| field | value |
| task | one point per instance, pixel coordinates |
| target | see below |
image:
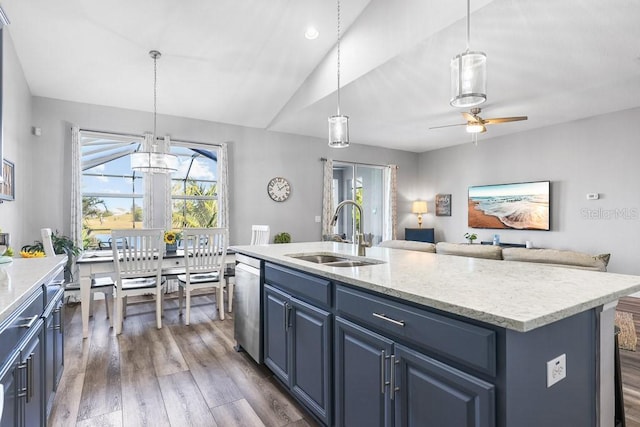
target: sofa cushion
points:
(558, 257)
(409, 245)
(465, 249)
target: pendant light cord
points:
(155, 98)
(468, 23)
(338, 68)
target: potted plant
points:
(283, 237)
(61, 245)
(470, 237)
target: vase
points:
(171, 247)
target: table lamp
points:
(419, 207)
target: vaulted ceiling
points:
(246, 62)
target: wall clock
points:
(279, 189)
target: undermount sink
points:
(336, 260)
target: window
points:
(115, 196)
(365, 185)
(112, 193)
(194, 187)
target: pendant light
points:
(154, 161)
(338, 124)
(468, 75)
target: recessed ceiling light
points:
(311, 33)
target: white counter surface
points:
(19, 278)
(517, 295)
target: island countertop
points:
(19, 278)
(516, 295)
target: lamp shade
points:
(468, 79)
(339, 131)
(419, 207)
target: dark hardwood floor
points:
(175, 376)
(630, 364)
(191, 375)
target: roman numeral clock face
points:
(279, 189)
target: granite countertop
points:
(516, 295)
(19, 278)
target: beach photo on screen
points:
(521, 206)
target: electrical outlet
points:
(556, 369)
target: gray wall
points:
(596, 155)
(255, 156)
(16, 128)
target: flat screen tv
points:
(520, 206)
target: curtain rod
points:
(142, 136)
(324, 159)
(112, 133)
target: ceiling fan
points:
(476, 124)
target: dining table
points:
(100, 263)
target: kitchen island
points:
(468, 339)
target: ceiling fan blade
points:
(447, 126)
(504, 120)
(470, 117)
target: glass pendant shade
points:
(152, 162)
(339, 131)
(468, 79)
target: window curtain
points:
(391, 202)
(223, 188)
(166, 194)
(327, 199)
(76, 187)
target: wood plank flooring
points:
(191, 375)
(175, 376)
(630, 366)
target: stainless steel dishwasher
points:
(247, 306)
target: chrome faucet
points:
(358, 240)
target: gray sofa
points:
(555, 257)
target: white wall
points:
(255, 157)
(16, 129)
(596, 155)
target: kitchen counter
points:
(19, 278)
(515, 295)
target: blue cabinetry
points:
(297, 337)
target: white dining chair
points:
(260, 234)
(205, 250)
(99, 284)
(137, 255)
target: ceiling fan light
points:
(468, 79)
(338, 131)
(476, 128)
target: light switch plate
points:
(318, 218)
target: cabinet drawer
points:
(304, 286)
(16, 326)
(468, 344)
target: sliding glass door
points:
(365, 185)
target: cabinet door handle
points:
(30, 378)
(285, 320)
(288, 316)
(22, 391)
(30, 322)
(392, 379)
(383, 371)
(388, 319)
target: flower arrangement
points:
(470, 237)
(32, 254)
(171, 237)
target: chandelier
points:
(154, 161)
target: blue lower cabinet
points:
(362, 374)
(431, 393)
(297, 348)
